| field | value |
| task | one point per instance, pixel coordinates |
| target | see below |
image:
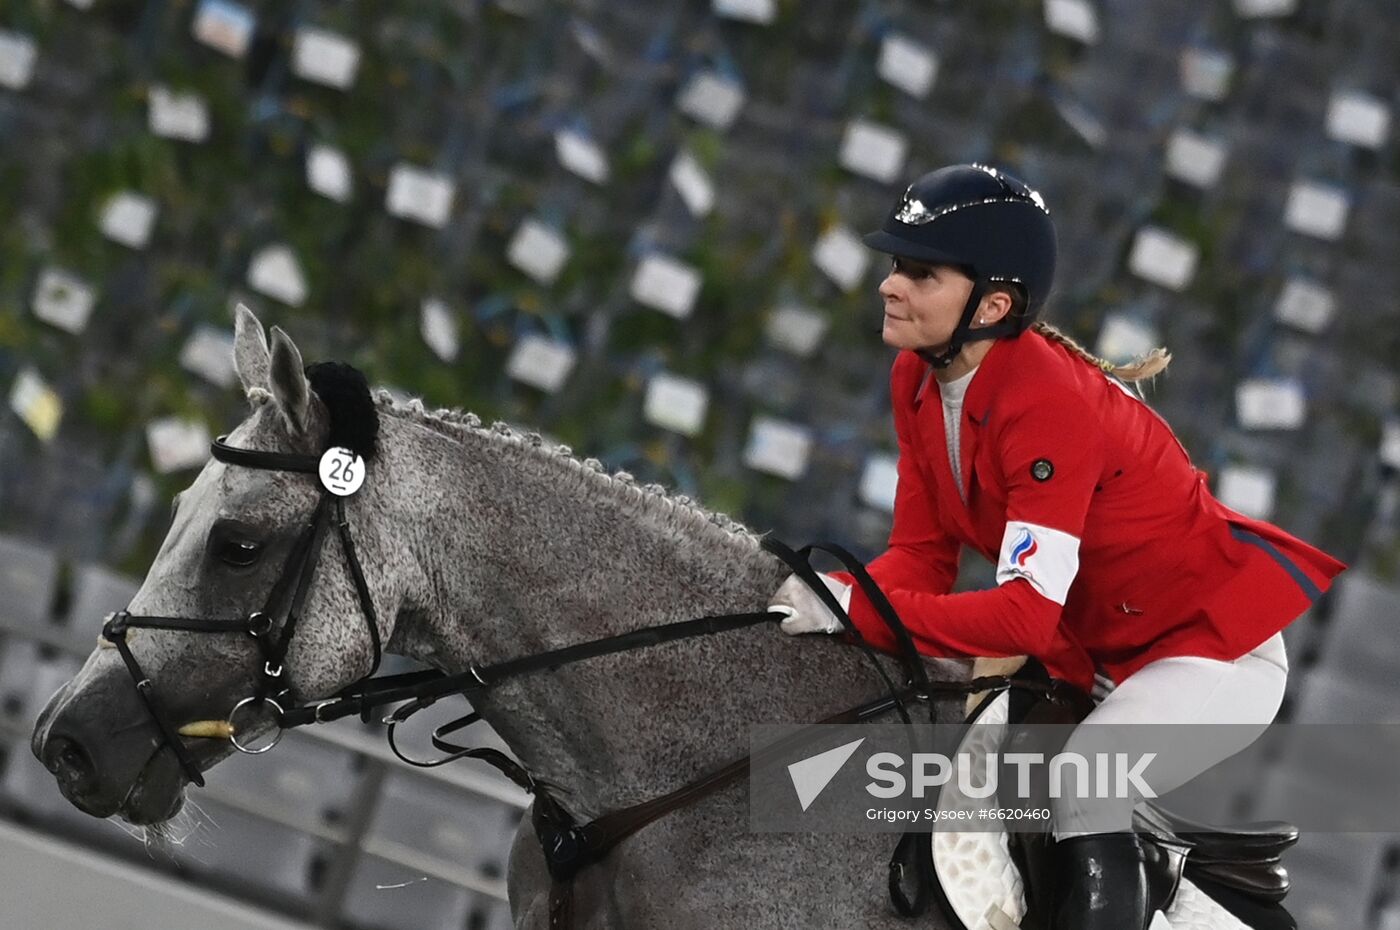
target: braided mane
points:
(457, 424)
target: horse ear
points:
(251, 359)
(290, 389)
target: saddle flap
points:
(1250, 842)
(1267, 881)
(1164, 864)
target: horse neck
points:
(526, 551)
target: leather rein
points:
(568, 846)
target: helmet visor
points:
(890, 244)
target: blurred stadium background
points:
(632, 226)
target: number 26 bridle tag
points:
(341, 471)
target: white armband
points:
(1048, 559)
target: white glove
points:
(805, 611)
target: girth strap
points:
(568, 847)
(912, 860)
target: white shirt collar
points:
(954, 391)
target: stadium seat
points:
(97, 591)
(28, 680)
(302, 777)
(1360, 641)
(386, 896)
(28, 574)
(223, 840)
(1335, 877)
(29, 788)
(1330, 695)
(464, 830)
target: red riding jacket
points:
(1110, 548)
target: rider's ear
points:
(250, 355)
(290, 389)
(996, 305)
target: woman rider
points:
(1112, 556)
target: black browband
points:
(268, 461)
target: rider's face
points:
(923, 303)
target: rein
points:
(567, 845)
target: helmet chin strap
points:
(963, 332)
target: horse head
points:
(233, 536)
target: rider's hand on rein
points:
(805, 610)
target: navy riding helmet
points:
(989, 223)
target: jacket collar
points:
(996, 367)
(1000, 359)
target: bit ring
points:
(233, 736)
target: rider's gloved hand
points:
(805, 610)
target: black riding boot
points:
(1101, 883)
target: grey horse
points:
(482, 544)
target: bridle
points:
(567, 845)
(298, 570)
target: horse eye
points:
(240, 554)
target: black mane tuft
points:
(354, 421)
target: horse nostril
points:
(70, 765)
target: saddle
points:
(1239, 866)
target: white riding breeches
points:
(1246, 692)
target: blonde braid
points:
(1145, 366)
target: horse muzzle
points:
(96, 739)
